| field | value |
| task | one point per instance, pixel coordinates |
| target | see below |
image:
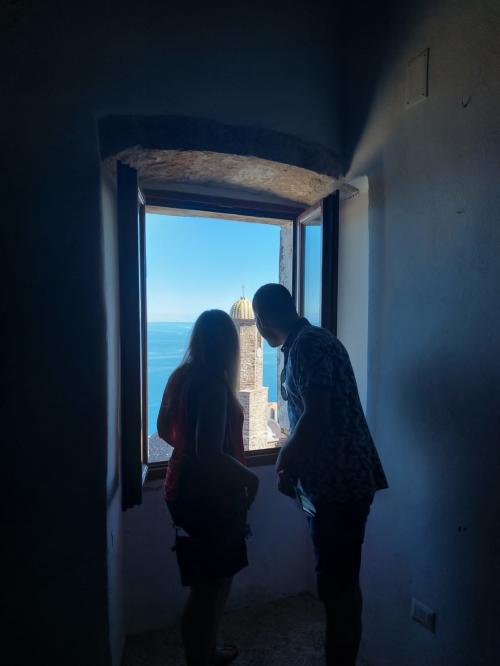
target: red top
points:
(179, 432)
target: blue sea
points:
(167, 343)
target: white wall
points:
(352, 318)
(434, 361)
(280, 556)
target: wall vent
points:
(417, 78)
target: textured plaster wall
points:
(434, 362)
(69, 65)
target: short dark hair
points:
(274, 302)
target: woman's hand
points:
(252, 488)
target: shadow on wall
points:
(371, 32)
(447, 395)
(376, 280)
(458, 392)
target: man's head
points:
(275, 313)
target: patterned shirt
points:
(343, 464)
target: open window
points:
(132, 270)
(305, 243)
(317, 262)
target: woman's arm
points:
(210, 434)
(161, 422)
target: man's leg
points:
(343, 606)
(337, 533)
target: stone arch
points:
(190, 154)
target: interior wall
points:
(69, 65)
(353, 281)
(279, 553)
(434, 366)
(114, 532)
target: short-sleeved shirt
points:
(343, 464)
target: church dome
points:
(242, 309)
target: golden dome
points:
(242, 309)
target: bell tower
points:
(252, 394)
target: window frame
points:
(131, 220)
(135, 467)
(328, 209)
(227, 206)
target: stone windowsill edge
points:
(155, 471)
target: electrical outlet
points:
(423, 615)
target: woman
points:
(208, 488)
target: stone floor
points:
(289, 631)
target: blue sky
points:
(196, 263)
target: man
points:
(329, 462)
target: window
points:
(311, 243)
(196, 263)
(131, 218)
(317, 262)
(306, 263)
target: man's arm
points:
(311, 426)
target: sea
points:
(167, 344)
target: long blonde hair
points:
(214, 351)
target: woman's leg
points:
(201, 618)
(224, 590)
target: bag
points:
(205, 507)
(201, 560)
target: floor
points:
(289, 631)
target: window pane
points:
(185, 278)
(312, 271)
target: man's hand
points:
(285, 484)
(283, 459)
(311, 427)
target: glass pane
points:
(312, 271)
(185, 278)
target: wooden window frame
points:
(132, 205)
(133, 399)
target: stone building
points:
(253, 395)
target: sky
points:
(196, 263)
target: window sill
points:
(263, 457)
(157, 470)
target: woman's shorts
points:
(208, 556)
